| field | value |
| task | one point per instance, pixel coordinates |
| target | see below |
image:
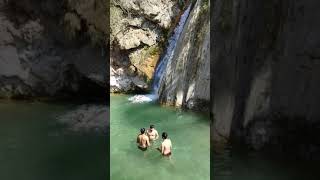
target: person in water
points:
(166, 146)
(152, 133)
(143, 140)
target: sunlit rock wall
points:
(139, 30)
(186, 80)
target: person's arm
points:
(148, 143)
(162, 148)
(157, 135)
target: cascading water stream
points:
(169, 51)
(167, 57)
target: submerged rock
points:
(87, 118)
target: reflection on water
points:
(239, 164)
(34, 146)
(189, 133)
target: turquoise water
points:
(189, 133)
(34, 146)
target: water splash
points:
(169, 52)
(143, 98)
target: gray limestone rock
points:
(186, 80)
(137, 26)
(37, 58)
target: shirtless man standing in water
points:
(166, 145)
(152, 133)
(143, 140)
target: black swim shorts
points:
(142, 149)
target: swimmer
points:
(143, 140)
(166, 146)
(152, 133)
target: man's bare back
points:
(143, 140)
(166, 147)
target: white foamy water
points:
(143, 98)
(158, 74)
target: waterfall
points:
(158, 74)
(160, 69)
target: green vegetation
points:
(148, 80)
(205, 5)
(149, 51)
(182, 3)
(153, 50)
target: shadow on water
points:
(241, 164)
(33, 145)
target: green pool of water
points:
(241, 164)
(34, 146)
(189, 133)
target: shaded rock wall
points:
(186, 80)
(45, 47)
(266, 73)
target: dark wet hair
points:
(164, 135)
(142, 130)
(151, 126)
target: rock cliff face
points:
(138, 31)
(45, 47)
(266, 74)
(186, 80)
